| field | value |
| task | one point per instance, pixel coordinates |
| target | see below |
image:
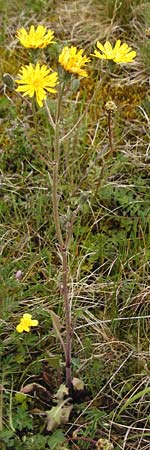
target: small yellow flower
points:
(119, 54)
(25, 323)
(72, 61)
(35, 38)
(36, 80)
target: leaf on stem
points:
(32, 387)
(58, 415)
(61, 393)
(77, 384)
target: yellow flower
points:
(25, 323)
(35, 38)
(72, 61)
(119, 54)
(36, 80)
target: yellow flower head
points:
(25, 323)
(35, 38)
(36, 80)
(72, 61)
(119, 54)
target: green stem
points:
(55, 187)
(36, 125)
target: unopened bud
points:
(18, 274)
(104, 444)
(110, 106)
(8, 81)
(147, 32)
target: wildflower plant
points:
(37, 81)
(120, 54)
(35, 38)
(73, 61)
(26, 322)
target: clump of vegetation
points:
(74, 330)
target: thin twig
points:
(82, 438)
(51, 121)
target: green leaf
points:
(58, 415)
(62, 391)
(20, 397)
(56, 439)
(133, 399)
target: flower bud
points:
(110, 106)
(104, 444)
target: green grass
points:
(110, 249)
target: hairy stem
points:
(62, 244)
(110, 134)
(36, 126)
(68, 318)
(55, 187)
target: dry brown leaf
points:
(78, 384)
(32, 387)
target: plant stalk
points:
(110, 133)
(62, 244)
(68, 319)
